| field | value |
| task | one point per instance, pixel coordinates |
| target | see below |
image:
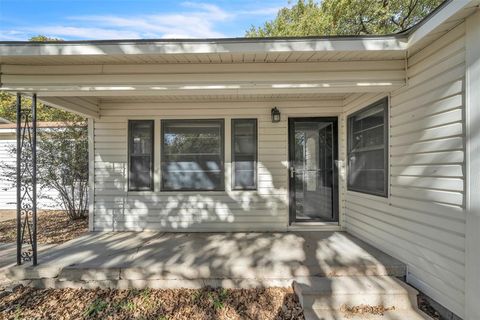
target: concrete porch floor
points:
(139, 259)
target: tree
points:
(345, 17)
(8, 110)
(40, 38)
(62, 165)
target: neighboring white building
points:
(3, 121)
(378, 136)
(8, 198)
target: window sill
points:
(315, 226)
(177, 193)
(368, 196)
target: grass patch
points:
(95, 308)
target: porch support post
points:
(26, 181)
(19, 180)
(34, 178)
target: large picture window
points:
(244, 154)
(368, 149)
(140, 150)
(192, 155)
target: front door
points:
(313, 178)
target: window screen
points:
(368, 149)
(192, 154)
(140, 147)
(244, 153)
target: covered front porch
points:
(331, 273)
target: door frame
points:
(336, 180)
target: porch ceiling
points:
(204, 81)
(221, 98)
(90, 106)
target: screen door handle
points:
(292, 172)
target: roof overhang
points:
(207, 46)
(236, 50)
(445, 17)
(74, 75)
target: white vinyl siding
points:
(423, 221)
(264, 209)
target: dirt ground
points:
(53, 227)
(175, 304)
(7, 215)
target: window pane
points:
(192, 153)
(244, 153)
(141, 155)
(367, 149)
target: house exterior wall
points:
(265, 209)
(8, 197)
(422, 222)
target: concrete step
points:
(337, 292)
(414, 314)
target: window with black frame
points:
(193, 154)
(140, 149)
(244, 154)
(368, 149)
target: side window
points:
(140, 153)
(368, 149)
(244, 154)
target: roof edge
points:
(212, 40)
(425, 19)
(394, 42)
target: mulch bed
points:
(173, 304)
(52, 227)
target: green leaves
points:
(218, 298)
(8, 110)
(345, 17)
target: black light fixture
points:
(275, 115)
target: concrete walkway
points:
(125, 259)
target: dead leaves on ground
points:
(363, 309)
(53, 227)
(172, 304)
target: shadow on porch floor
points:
(138, 259)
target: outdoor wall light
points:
(275, 115)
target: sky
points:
(132, 19)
